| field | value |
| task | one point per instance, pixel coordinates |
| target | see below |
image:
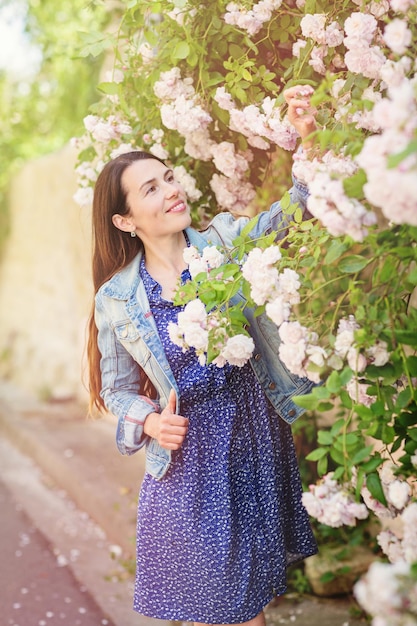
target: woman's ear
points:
(123, 222)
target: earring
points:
(132, 233)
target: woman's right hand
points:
(300, 112)
(168, 428)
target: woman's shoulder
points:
(123, 283)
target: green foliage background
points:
(40, 115)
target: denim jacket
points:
(127, 336)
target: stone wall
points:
(45, 280)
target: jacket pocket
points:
(126, 331)
(128, 335)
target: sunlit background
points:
(46, 88)
(19, 57)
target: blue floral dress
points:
(216, 534)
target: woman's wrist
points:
(150, 425)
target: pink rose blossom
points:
(224, 99)
(198, 144)
(147, 53)
(358, 392)
(297, 47)
(227, 161)
(184, 115)
(234, 195)
(170, 86)
(316, 60)
(360, 29)
(366, 61)
(312, 26)
(399, 493)
(333, 35)
(397, 36)
(188, 183)
(402, 6)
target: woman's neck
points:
(164, 261)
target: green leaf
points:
(321, 392)
(388, 270)
(285, 202)
(412, 433)
(317, 454)
(236, 52)
(181, 50)
(353, 186)
(337, 456)
(337, 426)
(337, 248)
(327, 577)
(409, 337)
(361, 455)
(394, 160)
(351, 439)
(246, 75)
(353, 263)
(412, 276)
(109, 88)
(324, 437)
(411, 364)
(298, 215)
(322, 466)
(95, 43)
(333, 383)
(373, 482)
(345, 376)
(372, 464)
(306, 402)
(403, 398)
(410, 447)
(245, 231)
(364, 412)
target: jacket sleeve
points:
(224, 228)
(121, 384)
(274, 219)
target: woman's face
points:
(157, 202)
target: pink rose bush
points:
(203, 90)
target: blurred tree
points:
(41, 113)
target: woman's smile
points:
(178, 207)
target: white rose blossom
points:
(238, 350)
(333, 504)
(389, 594)
(397, 36)
(84, 196)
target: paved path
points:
(66, 474)
(37, 586)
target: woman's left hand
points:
(300, 112)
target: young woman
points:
(220, 515)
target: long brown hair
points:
(113, 249)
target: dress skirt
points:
(216, 534)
